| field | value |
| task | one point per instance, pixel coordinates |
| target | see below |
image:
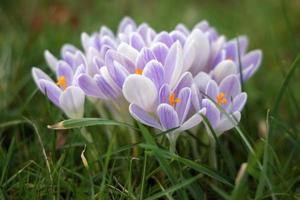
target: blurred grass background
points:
(28, 27)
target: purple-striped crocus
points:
(110, 59)
(64, 93)
(168, 79)
(219, 50)
(235, 50)
(164, 108)
(160, 95)
(223, 100)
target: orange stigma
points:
(173, 100)
(61, 81)
(221, 99)
(138, 71)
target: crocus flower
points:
(168, 79)
(220, 50)
(160, 96)
(112, 58)
(223, 101)
(64, 93)
(249, 61)
(165, 108)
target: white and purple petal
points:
(127, 25)
(212, 90)
(50, 60)
(165, 38)
(212, 112)
(160, 51)
(202, 48)
(239, 102)
(51, 90)
(183, 106)
(89, 86)
(155, 72)
(186, 80)
(164, 94)
(141, 91)
(64, 70)
(201, 80)
(142, 116)
(38, 75)
(145, 56)
(230, 86)
(72, 102)
(168, 116)
(228, 122)
(193, 121)
(174, 64)
(128, 51)
(224, 69)
(136, 41)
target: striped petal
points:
(142, 116)
(168, 116)
(164, 94)
(212, 90)
(160, 51)
(201, 80)
(239, 102)
(183, 107)
(212, 112)
(203, 49)
(174, 64)
(72, 102)
(193, 121)
(37, 75)
(155, 72)
(228, 122)
(224, 69)
(141, 91)
(136, 41)
(51, 60)
(165, 38)
(230, 86)
(145, 56)
(128, 51)
(89, 86)
(52, 91)
(64, 69)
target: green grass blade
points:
(224, 151)
(163, 163)
(174, 188)
(8, 159)
(284, 85)
(196, 166)
(143, 176)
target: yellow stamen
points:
(61, 81)
(173, 100)
(138, 71)
(221, 99)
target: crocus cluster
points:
(166, 80)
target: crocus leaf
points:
(84, 122)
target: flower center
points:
(173, 100)
(221, 99)
(138, 71)
(61, 81)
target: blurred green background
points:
(28, 27)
